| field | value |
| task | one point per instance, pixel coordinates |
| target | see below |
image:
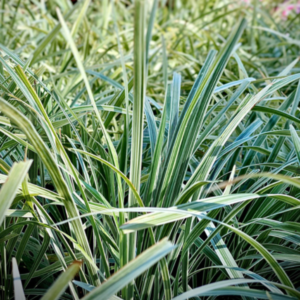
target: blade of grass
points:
(131, 271)
(10, 187)
(61, 283)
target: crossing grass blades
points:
(117, 183)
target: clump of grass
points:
(150, 153)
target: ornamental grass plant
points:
(149, 150)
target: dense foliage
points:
(149, 150)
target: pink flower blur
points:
(290, 8)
